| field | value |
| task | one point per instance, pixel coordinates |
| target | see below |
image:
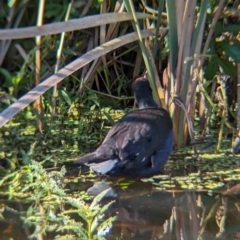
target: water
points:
(142, 211)
(192, 200)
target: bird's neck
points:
(146, 103)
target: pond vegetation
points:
(194, 56)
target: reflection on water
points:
(145, 213)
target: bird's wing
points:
(138, 135)
(134, 139)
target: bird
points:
(236, 146)
(139, 144)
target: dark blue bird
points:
(139, 144)
(236, 146)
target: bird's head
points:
(143, 93)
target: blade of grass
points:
(130, 8)
(173, 40)
(160, 10)
(59, 53)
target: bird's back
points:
(138, 135)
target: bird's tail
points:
(86, 158)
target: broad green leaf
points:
(211, 47)
(231, 28)
(227, 67)
(98, 198)
(218, 28)
(106, 207)
(231, 49)
(66, 97)
(106, 226)
(6, 74)
(212, 68)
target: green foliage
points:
(84, 116)
(231, 50)
(216, 64)
(47, 197)
(214, 171)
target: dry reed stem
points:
(197, 51)
(238, 98)
(5, 44)
(159, 88)
(86, 8)
(138, 63)
(202, 58)
(38, 103)
(58, 62)
(24, 101)
(112, 32)
(103, 40)
(209, 36)
(186, 26)
(24, 55)
(71, 25)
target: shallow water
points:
(192, 200)
(142, 211)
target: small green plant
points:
(51, 209)
(93, 215)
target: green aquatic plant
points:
(210, 172)
(51, 208)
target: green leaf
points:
(106, 207)
(92, 108)
(53, 10)
(6, 74)
(66, 97)
(97, 3)
(231, 28)
(105, 227)
(231, 49)
(11, 3)
(98, 198)
(228, 67)
(109, 118)
(211, 48)
(218, 28)
(16, 80)
(212, 68)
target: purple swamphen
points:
(139, 144)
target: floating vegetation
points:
(50, 205)
(54, 202)
(210, 171)
(66, 136)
